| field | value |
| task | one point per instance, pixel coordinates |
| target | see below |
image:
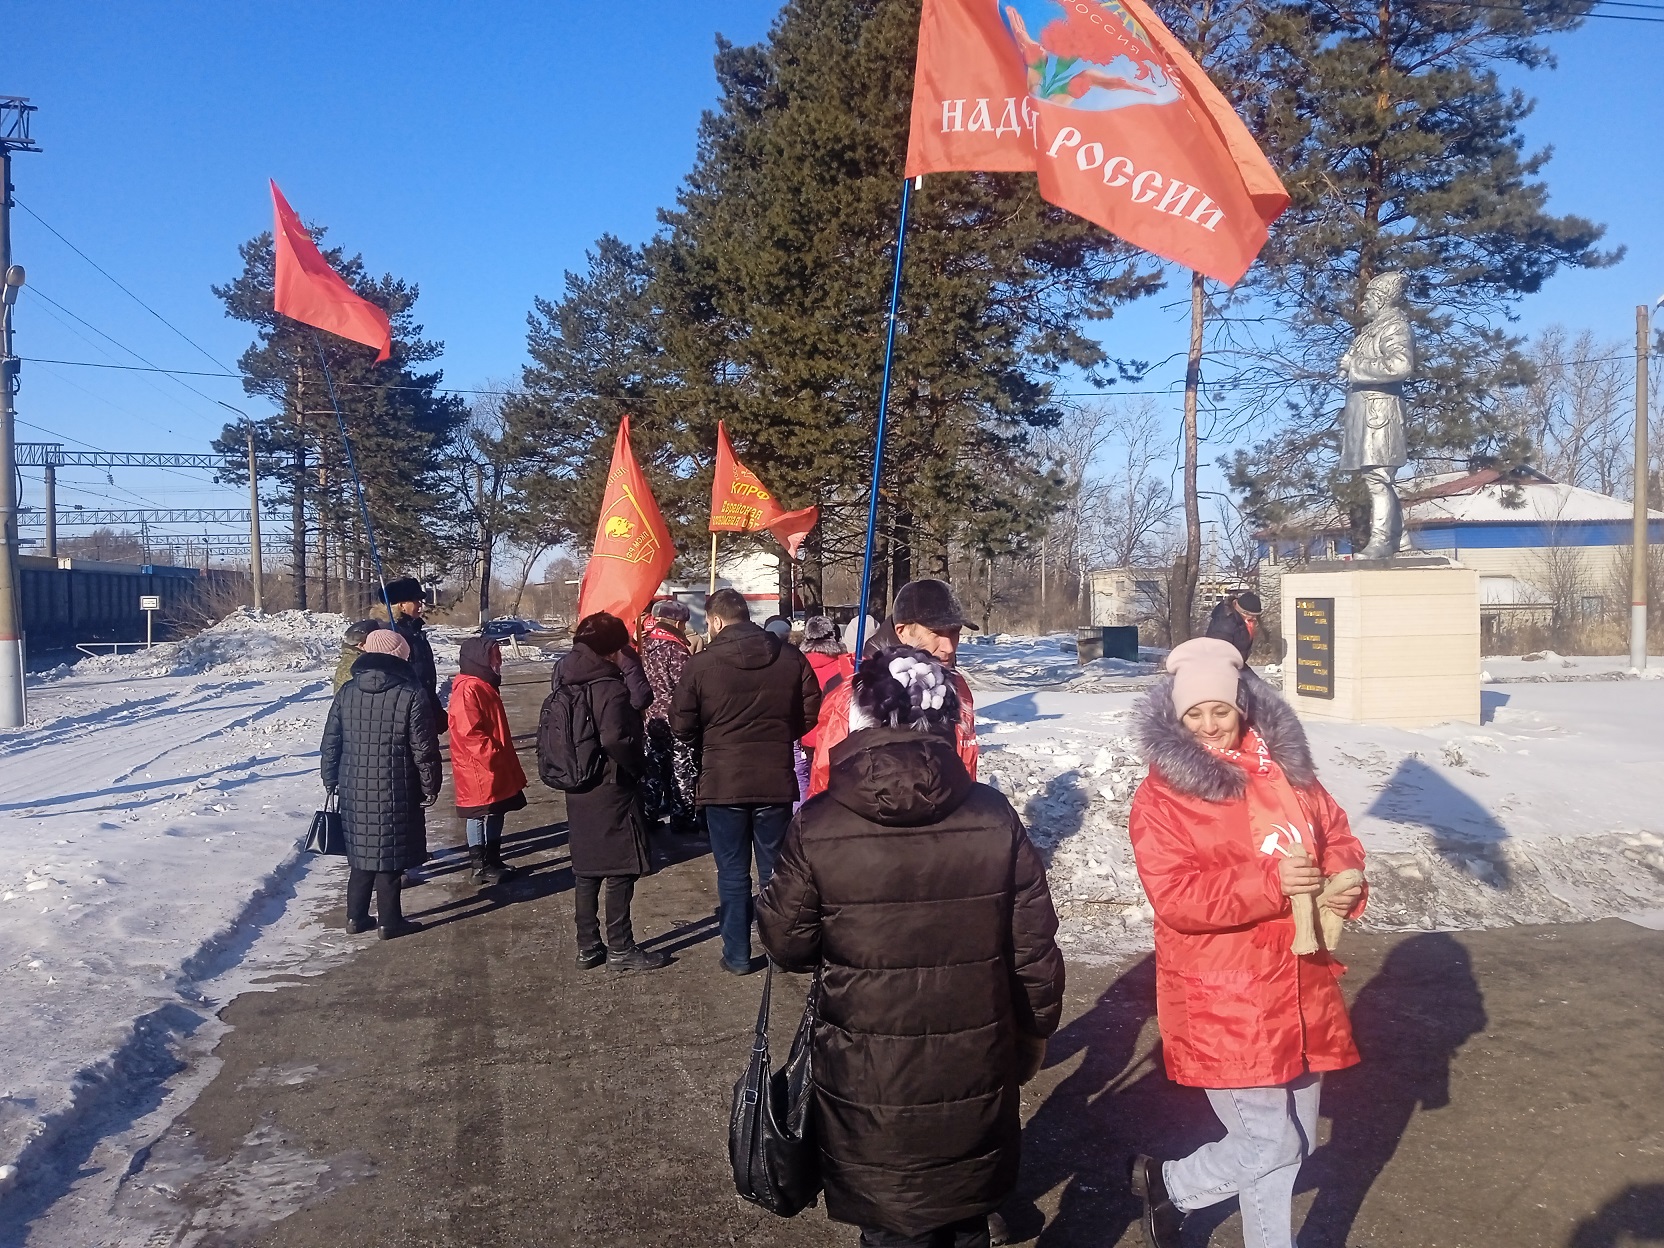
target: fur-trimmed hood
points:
(1191, 768)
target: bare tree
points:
(1578, 412)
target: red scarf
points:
(1277, 818)
(663, 632)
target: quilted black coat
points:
(381, 754)
(918, 895)
(606, 829)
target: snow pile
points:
(1051, 662)
(1550, 812)
(241, 644)
(145, 823)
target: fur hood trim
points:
(1188, 766)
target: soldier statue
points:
(1381, 359)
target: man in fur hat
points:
(926, 615)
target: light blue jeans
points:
(484, 831)
(1268, 1133)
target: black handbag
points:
(326, 835)
(771, 1138)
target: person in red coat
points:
(484, 767)
(1229, 825)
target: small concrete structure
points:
(1391, 641)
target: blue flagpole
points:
(357, 482)
(883, 420)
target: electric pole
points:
(1640, 541)
(254, 523)
(15, 112)
(253, 506)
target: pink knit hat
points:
(390, 641)
(1205, 669)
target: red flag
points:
(740, 504)
(309, 291)
(1107, 108)
(632, 544)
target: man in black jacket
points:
(409, 602)
(743, 700)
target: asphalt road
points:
(469, 1086)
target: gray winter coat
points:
(381, 754)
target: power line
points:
(49, 226)
(1525, 12)
(173, 374)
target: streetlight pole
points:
(15, 112)
(1639, 542)
(253, 508)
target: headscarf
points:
(482, 657)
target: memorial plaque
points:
(1314, 647)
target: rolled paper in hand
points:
(1305, 923)
(1332, 922)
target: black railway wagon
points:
(66, 601)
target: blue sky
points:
(478, 150)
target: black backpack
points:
(569, 753)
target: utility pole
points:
(51, 475)
(253, 505)
(254, 523)
(15, 112)
(1181, 605)
(1639, 542)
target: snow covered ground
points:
(1550, 811)
(149, 863)
(154, 805)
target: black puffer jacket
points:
(606, 830)
(422, 665)
(918, 894)
(744, 699)
(382, 755)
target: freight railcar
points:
(66, 601)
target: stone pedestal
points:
(1382, 641)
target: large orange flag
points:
(740, 504)
(1106, 107)
(309, 291)
(632, 545)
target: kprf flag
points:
(632, 544)
(1117, 122)
(309, 291)
(740, 504)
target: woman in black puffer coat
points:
(380, 756)
(606, 828)
(916, 894)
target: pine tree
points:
(773, 286)
(399, 424)
(1401, 150)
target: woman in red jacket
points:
(1229, 825)
(484, 767)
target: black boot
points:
(633, 957)
(484, 873)
(589, 959)
(494, 859)
(1162, 1219)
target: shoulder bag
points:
(771, 1139)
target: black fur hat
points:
(356, 633)
(406, 589)
(931, 603)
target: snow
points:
(1547, 812)
(150, 870)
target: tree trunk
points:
(486, 543)
(901, 550)
(877, 602)
(1181, 595)
(325, 523)
(812, 574)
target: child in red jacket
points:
(1230, 829)
(486, 771)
